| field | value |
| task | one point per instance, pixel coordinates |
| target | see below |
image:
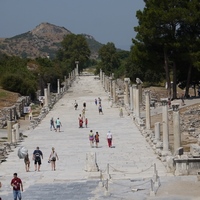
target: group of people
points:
(99, 106)
(37, 158)
(93, 139)
(58, 124)
(16, 182)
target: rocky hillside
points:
(42, 41)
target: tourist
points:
(109, 138)
(84, 106)
(100, 109)
(17, 185)
(99, 100)
(37, 155)
(52, 124)
(52, 159)
(91, 138)
(96, 137)
(86, 122)
(58, 124)
(83, 113)
(95, 101)
(80, 120)
(121, 112)
(75, 105)
(27, 162)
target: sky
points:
(105, 20)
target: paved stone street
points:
(131, 159)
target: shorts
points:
(57, 126)
(38, 161)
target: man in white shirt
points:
(109, 138)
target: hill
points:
(44, 40)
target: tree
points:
(161, 30)
(74, 48)
(109, 58)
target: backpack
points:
(37, 156)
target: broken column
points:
(157, 131)
(126, 97)
(114, 90)
(46, 103)
(58, 85)
(9, 131)
(147, 108)
(91, 163)
(164, 102)
(137, 103)
(131, 97)
(176, 126)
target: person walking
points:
(58, 124)
(83, 113)
(121, 112)
(17, 185)
(27, 162)
(37, 155)
(52, 124)
(80, 120)
(84, 105)
(109, 139)
(95, 101)
(86, 122)
(96, 137)
(100, 109)
(52, 159)
(75, 105)
(91, 138)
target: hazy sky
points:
(105, 20)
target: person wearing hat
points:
(17, 185)
(52, 159)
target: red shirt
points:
(16, 182)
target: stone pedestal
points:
(91, 164)
(157, 131)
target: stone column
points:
(16, 127)
(100, 75)
(48, 89)
(111, 90)
(126, 98)
(131, 97)
(114, 90)
(165, 125)
(58, 85)
(176, 126)
(157, 131)
(134, 98)
(140, 93)
(137, 103)
(9, 131)
(76, 62)
(148, 111)
(103, 80)
(13, 132)
(46, 103)
(65, 83)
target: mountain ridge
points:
(42, 41)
